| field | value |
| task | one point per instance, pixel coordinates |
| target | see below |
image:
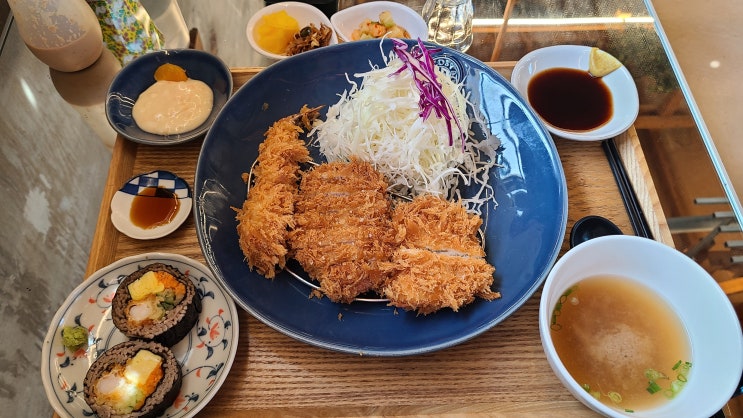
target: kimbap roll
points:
(134, 379)
(156, 302)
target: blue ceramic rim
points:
(152, 179)
(554, 249)
(131, 131)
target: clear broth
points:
(610, 330)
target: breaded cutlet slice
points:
(267, 213)
(427, 281)
(440, 262)
(438, 225)
(343, 228)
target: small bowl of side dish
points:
(127, 88)
(281, 21)
(346, 21)
(652, 332)
(151, 205)
(553, 79)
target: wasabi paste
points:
(74, 338)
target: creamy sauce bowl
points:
(668, 278)
(625, 103)
(138, 76)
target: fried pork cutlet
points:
(440, 262)
(267, 213)
(343, 228)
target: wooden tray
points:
(503, 371)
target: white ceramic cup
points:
(706, 312)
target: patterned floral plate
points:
(205, 355)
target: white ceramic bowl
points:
(705, 311)
(625, 101)
(304, 14)
(346, 20)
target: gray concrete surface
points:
(53, 165)
(52, 172)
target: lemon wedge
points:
(601, 63)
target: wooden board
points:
(501, 372)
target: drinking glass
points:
(449, 22)
(63, 34)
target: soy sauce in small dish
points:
(570, 99)
(154, 206)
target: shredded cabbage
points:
(382, 120)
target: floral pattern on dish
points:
(205, 354)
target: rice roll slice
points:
(134, 379)
(156, 302)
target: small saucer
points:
(138, 75)
(625, 99)
(121, 204)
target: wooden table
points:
(501, 372)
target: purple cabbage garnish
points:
(432, 98)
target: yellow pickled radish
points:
(170, 72)
(274, 31)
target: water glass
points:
(449, 22)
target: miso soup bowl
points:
(705, 311)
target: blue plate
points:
(138, 76)
(523, 234)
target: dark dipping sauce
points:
(570, 99)
(153, 206)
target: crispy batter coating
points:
(438, 225)
(439, 263)
(339, 224)
(427, 281)
(267, 213)
(343, 228)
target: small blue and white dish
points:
(138, 75)
(123, 202)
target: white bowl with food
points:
(635, 328)
(558, 83)
(281, 30)
(363, 21)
